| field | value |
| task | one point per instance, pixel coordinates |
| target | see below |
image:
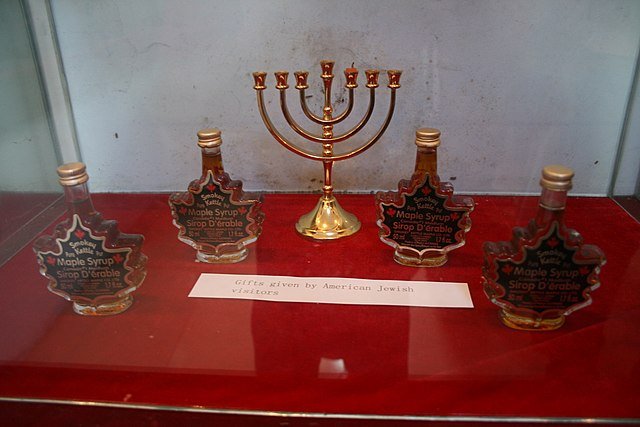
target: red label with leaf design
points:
(213, 213)
(82, 267)
(544, 276)
(423, 218)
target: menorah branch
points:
(376, 137)
(319, 120)
(310, 136)
(273, 131)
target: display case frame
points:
(171, 358)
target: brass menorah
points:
(328, 220)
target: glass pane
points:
(27, 155)
(626, 187)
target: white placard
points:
(332, 290)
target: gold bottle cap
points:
(428, 138)
(72, 174)
(209, 138)
(557, 178)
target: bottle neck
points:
(427, 161)
(78, 200)
(212, 161)
(551, 206)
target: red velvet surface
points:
(249, 355)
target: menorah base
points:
(327, 221)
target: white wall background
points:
(513, 85)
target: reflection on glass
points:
(27, 156)
(625, 187)
(330, 341)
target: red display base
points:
(253, 358)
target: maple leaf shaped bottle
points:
(423, 221)
(545, 272)
(215, 216)
(87, 259)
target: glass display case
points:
(125, 86)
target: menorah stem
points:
(327, 78)
(327, 188)
(327, 148)
(327, 220)
(327, 129)
(327, 111)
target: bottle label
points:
(549, 275)
(82, 267)
(422, 219)
(212, 214)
